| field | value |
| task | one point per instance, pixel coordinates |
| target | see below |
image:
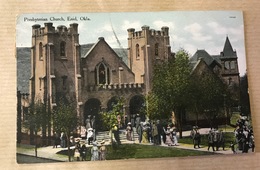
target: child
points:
(102, 151)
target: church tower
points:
(55, 64)
(145, 49)
(230, 71)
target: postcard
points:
(131, 85)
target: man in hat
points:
(83, 151)
(221, 140)
(211, 140)
(155, 134)
(115, 131)
(137, 121)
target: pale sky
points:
(189, 30)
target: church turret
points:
(230, 71)
(146, 48)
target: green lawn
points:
(229, 137)
(147, 151)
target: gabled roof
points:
(198, 63)
(91, 48)
(202, 54)
(228, 51)
(85, 48)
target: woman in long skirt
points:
(94, 152)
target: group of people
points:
(244, 136)
(149, 132)
(152, 132)
(216, 139)
(98, 152)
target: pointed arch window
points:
(40, 51)
(62, 49)
(137, 50)
(227, 65)
(232, 65)
(102, 74)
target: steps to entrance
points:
(105, 135)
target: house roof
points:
(85, 48)
(202, 54)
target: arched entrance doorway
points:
(136, 106)
(92, 109)
(113, 101)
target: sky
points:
(191, 30)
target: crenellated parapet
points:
(146, 31)
(48, 28)
(24, 99)
(116, 86)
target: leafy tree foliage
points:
(36, 120)
(65, 120)
(210, 96)
(110, 117)
(244, 95)
(178, 89)
(171, 88)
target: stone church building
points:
(96, 79)
(94, 76)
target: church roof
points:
(23, 58)
(228, 51)
(87, 48)
(202, 54)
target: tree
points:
(244, 96)
(36, 120)
(210, 96)
(65, 120)
(110, 118)
(172, 87)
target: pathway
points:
(50, 153)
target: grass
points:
(24, 148)
(234, 118)
(136, 151)
(147, 151)
(229, 137)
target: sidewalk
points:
(44, 152)
(50, 153)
